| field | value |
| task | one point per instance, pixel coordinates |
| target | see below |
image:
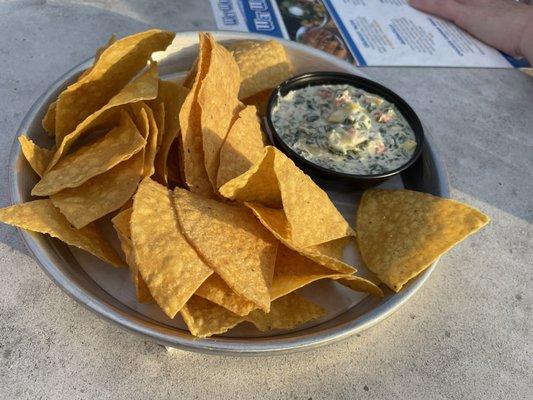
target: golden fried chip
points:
(41, 216)
(140, 117)
(233, 243)
(142, 88)
(121, 223)
(276, 222)
(49, 120)
(299, 195)
(294, 271)
(217, 291)
(172, 97)
(158, 108)
(170, 267)
(259, 184)
(287, 312)
(101, 194)
(219, 105)
(91, 160)
(262, 65)
(151, 144)
(37, 157)
(191, 132)
(401, 232)
(204, 318)
(242, 148)
(259, 101)
(116, 66)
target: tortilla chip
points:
(360, 284)
(151, 144)
(158, 109)
(276, 222)
(191, 132)
(299, 195)
(171, 268)
(204, 318)
(140, 117)
(49, 120)
(101, 194)
(233, 243)
(121, 223)
(243, 146)
(37, 157)
(401, 232)
(287, 312)
(294, 271)
(259, 184)
(259, 101)
(172, 97)
(217, 291)
(174, 165)
(117, 65)
(219, 105)
(142, 88)
(262, 65)
(41, 216)
(91, 160)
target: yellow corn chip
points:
(300, 198)
(191, 132)
(287, 312)
(117, 145)
(116, 66)
(259, 101)
(172, 97)
(101, 194)
(262, 65)
(233, 243)
(37, 157)
(121, 222)
(204, 318)
(49, 120)
(401, 232)
(140, 117)
(276, 222)
(259, 184)
(219, 105)
(151, 144)
(217, 291)
(158, 108)
(171, 268)
(142, 88)
(41, 216)
(243, 146)
(294, 271)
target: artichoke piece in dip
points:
(345, 129)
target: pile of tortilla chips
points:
(213, 223)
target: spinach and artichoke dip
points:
(343, 128)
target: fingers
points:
(448, 9)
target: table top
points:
(465, 334)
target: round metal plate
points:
(84, 278)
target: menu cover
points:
(364, 32)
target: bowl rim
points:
(320, 77)
(130, 321)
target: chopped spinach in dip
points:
(343, 128)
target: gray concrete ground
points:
(466, 333)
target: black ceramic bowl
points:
(332, 78)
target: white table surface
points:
(466, 334)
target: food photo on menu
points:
(255, 190)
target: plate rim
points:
(214, 345)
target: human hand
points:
(504, 24)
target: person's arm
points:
(504, 24)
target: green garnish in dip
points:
(345, 129)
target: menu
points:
(364, 32)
